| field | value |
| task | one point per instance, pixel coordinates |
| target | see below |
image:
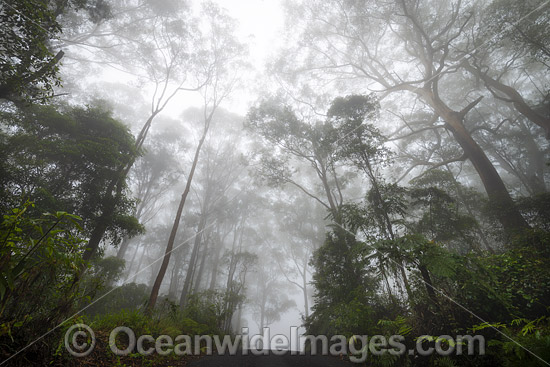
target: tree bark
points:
(174, 278)
(198, 279)
(304, 289)
(169, 247)
(513, 97)
(215, 264)
(428, 283)
(193, 261)
(504, 207)
(123, 248)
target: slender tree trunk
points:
(174, 278)
(133, 261)
(231, 273)
(131, 264)
(173, 287)
(408, 288)
(171, 239)
(187, 286)
(215, 265)
(239, 318)
(385, 277)
(304, 289)
(154, 271)
(428, 283)
(198, 280)
(334, 208)
(123, 248)
(387, 228)
(262, 314)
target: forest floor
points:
(239, 360)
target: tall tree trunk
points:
(231, 273)
(215, 265)
(132, 262)
(155, 266)
(262, 314)
(387, 228)
(239, 318)
(499, 197)
(428, 283)
(478, 230)
(198, 279)
(536, 162)
(173, 287)
(304, 290)
(174, 277)
(123, 248)
(131, 265)
(187, 285)
(385, 277)
(169, 247)
(334, 208)
(408, 288)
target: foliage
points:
(440, 218)
(129, 296)
(61, 159)
(419, 258)
(523, 274)
(431, 254)
(29, 67)
(522, 341)
(210, 310)
(345, 290)
(536, 209)
(519, 26)
(36, 253)
(64, 159)
(353, 131)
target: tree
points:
(169, 56)
(345, 287)
(291, 138)
(268, 302)
(62, 159)
(521, 26)
(37, 252)
(301, 223)
(28, 65)
(397, 48)
(224, 53)
(509, 52)
(241, 263)
(447, 212)
(219, 171)
(150, 179)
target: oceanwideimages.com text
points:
(80, 341)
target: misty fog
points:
(346, 167)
